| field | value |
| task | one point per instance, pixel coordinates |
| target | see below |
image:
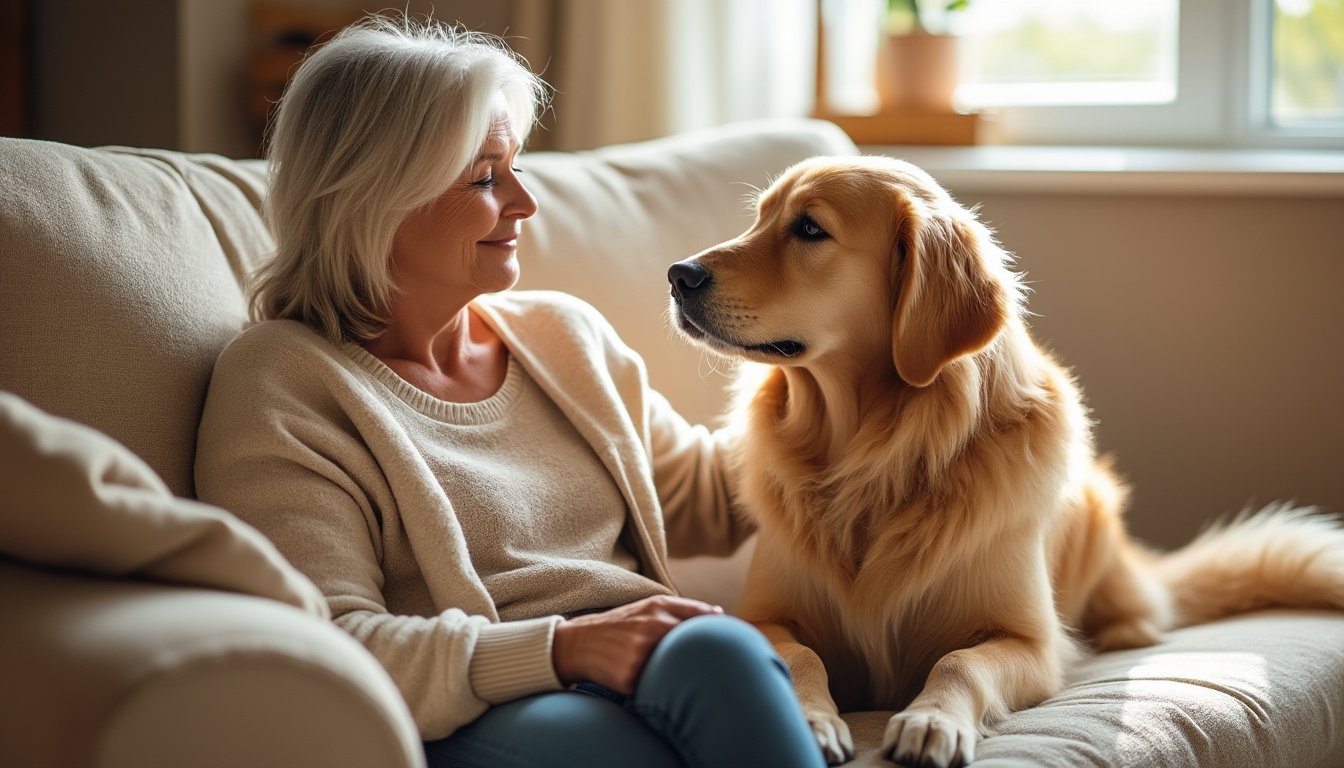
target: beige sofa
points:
(144, 629)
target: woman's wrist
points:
(563, 644)
(515, 658)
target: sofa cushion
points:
(120, 274)
(76, 499)
(1260, 690)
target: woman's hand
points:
(610, 648)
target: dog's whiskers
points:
(719, 365)
(751, 198)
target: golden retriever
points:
(936, 533)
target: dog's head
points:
(852, 260)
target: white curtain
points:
(628, 70)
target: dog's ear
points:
(950, 300)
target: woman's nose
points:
(521, 203)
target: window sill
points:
(1129, 171)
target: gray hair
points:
(377, 123)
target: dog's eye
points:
(807, 229)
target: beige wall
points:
(1208, 335)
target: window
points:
(1139, 72)
(1022, 52)
(1307, 64)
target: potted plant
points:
(917, 67)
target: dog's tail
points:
(1281, 556)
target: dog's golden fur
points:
(936, 534)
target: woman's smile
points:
(508, 242)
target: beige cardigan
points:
(311, 448)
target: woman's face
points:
(465, 243)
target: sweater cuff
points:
(513, 659)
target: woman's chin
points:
(502, 279)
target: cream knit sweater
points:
(345, 466)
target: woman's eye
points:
(489, 180)
(808, 229)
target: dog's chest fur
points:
(878, 542)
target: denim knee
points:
(720, 648)
(715, 688)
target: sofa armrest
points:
(120, 672)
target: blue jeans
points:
(713, 693)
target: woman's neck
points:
(456, 357)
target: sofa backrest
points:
(120, 280)
(123, 271)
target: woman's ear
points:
(950, 302)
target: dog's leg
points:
(812, 686)
(941, 726)
(1111, 591)
(1129, 608)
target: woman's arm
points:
(691, 473)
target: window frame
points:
(1252, 124)
(1223, 74)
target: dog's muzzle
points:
(691, 285)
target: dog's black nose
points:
(687, 276)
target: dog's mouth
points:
(784, 348)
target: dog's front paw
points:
(832, 733)
(928, 740)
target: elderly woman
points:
(481, 483)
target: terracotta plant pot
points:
(917, 72)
